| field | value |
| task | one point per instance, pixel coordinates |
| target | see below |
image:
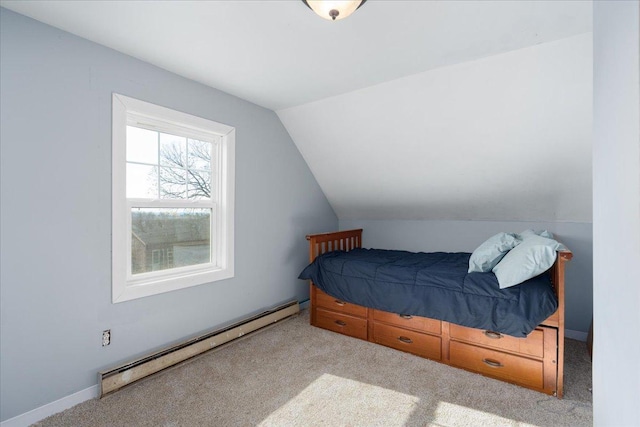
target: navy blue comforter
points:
(434, 285)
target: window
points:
(173, 199)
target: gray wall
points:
(56, 214)
(465, 236)
(616, 213)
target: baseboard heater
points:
(124, 375)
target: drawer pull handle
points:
(406, 316)
(493, 363)
(340, 323)
(340, 303)
(405, 340)
(493, 335)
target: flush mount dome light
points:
(334, 9)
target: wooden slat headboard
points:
(339, 240)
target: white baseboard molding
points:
(575, 335)
(49, 409)
(304, 304)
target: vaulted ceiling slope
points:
(506, 137)
(405, 110)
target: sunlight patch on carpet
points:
(465, 416)
(332, 400)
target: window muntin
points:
(165, 166)
(173, 195)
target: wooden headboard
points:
(339, 240)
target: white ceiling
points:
(413, 109)
(278, 54)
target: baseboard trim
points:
(304, 304)
(49, 409)
(575, 335)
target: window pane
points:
(142, 145)
(164, 238)
(173, 184)
(142, 181)
(199, 154)
(173, 150)
(199, 184)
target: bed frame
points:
(535, 362)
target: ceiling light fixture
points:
(334, 9)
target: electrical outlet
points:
(106, 337)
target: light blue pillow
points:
(542, 233)
(489, 253)
(534, 256)
(530, 232)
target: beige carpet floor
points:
(296, 375)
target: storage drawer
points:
(532, 345)
(341, 323)
(334, 304)
(497, 364)
(414, 322)
(410, 341)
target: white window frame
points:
(130, 111)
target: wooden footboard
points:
(557, 318)
(535, 362)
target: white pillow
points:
(534, 256)
(489, 253)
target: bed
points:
(510, 335)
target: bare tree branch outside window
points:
(186, 170)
